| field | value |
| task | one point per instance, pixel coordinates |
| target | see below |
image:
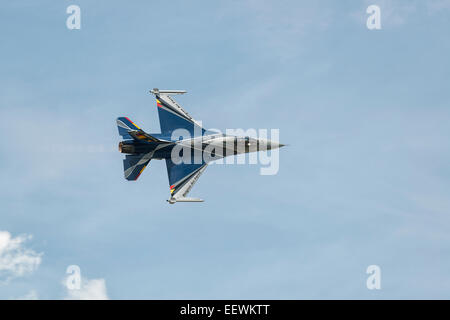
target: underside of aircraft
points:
(186, 147)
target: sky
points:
(364, 181)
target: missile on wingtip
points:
(156, 91)
(173, 200)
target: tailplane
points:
(133, 165)
(129, 130)
(126, 126)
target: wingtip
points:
(157, 91)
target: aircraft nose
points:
(274, 145)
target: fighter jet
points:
(183, 143)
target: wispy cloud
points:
(31, 295)
(435, 6)
(91, 289)
(94, 289)
(290, 18)
(275, 28)
(15, 259)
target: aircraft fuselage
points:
(217, 145)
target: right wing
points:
(182, 178)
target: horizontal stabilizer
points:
(140, 135)
(125, 125)
(133, 165)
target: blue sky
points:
(364, 181)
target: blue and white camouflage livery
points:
(140, 147)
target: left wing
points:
(182, 178)
(172, 116)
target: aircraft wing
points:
(172, 116)
(182, 178)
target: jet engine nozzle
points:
(126, 148)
